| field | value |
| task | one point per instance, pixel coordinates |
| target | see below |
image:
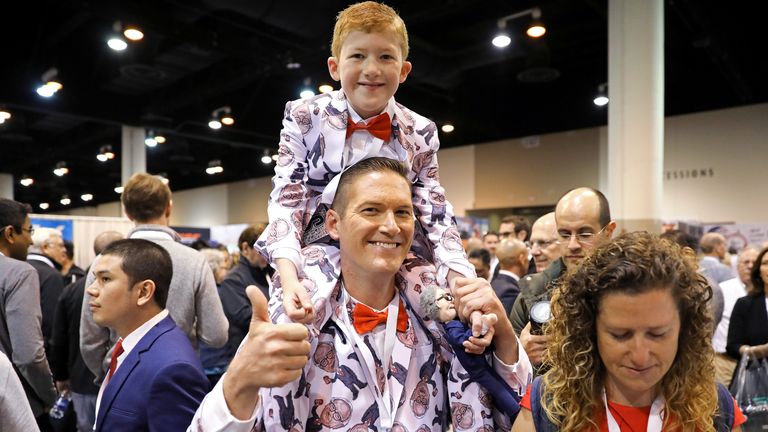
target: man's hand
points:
(296, 301)
(271, 356)
(534, 345)
(62, 387)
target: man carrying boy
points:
(374, 365)
(155, 379)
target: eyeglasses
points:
(446, 296)
(506, 234)
(30, 230)
(582, 237)
(542, 244)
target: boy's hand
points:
(296, 301)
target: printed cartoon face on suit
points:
(637, 338)
(370, 68)
(336, 414)
(375, 226)
(325, 357)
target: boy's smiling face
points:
(370, 68)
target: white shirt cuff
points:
(213, 415)
(518, 375)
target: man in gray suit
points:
(21, 336)
(713, 247)
(193, 301)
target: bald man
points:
(513, 264)
(544, 247)
(713, 248)
(583, 220)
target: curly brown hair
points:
(633, 263)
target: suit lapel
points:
(130, 363)
(333, 127)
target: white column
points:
(6, 186)
(635, 112)
(134, 153)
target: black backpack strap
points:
(723, 419)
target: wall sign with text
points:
(693, 173)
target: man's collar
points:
(509, 273)
(41, 258)
(154, 232)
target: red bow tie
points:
(380, 127)
(366, 319)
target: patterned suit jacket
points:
(312, 154)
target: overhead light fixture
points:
(44, 206)
(105, 153)
(51, 83)
(163, 177)
(150, 140)
(61, 169)
(306, 91)
(4, 115)
(535, 29)
(117, 43)
(214, 167)
(325, 88)
(119, 188)
(65, 200)
(86, 197)
(274, 158)
(26, 181)
(221, 116)
(160, 139)
(133, 33)
(447, 128)
(291, 65)
(601, 99)
(266, 157)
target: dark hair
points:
(13, 213)
(490, 233)
(483, 254)
(249, 235)
(365, 166)
(145, 197)
(70, 247)
(681, 238)
(142, 260)
(602, 202)
(758, 285)
(520, 223)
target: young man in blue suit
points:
(155, 379)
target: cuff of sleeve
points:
(517, 375)
(214, 415)
(462, 267)
(288, 253)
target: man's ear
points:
(244, 246)
(8, 235)
(168, 210)
(146, 289)
(332, 219)
(333, 68)
(609, 228)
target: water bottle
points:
(60, 407)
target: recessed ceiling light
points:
(26, 181)
(133, 33)
(325, 88)
(86, 197)
(44, 206)
(117, 44)
(501, 40)
(65, 200)
(448, 128)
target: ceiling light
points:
(119, 189)
(227, 120)
(105, 153)
(44, 206)
(26, 181)
(65, 200)
(536, 29)
(214, 167)
(4, 115)
(292, 65)
(117, 43)
(61, 169)
(160, 139)
(266, 158)
(214, 124)
(601, 99)
(501, 40)
(306, 94)
(448, 128)
(325, 88)
(221, 116)
(50, 84)
(133, 33)
(86, 197)
(150, 139)
(163, 178)
(274, 158)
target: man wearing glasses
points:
(583, 220)
(21, 337)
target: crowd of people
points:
(360, 306)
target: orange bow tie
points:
(366, 319)
(380, 127)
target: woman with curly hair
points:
(630, 346)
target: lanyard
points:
(654, 417)
(383, 396)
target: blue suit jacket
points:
(158, 387)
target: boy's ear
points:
(333, 68)
(332, 223)
(404, 71)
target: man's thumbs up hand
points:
(270, 356)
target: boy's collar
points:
(390, 109)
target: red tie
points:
(115, 354)
(366, 319)
(380, 126)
